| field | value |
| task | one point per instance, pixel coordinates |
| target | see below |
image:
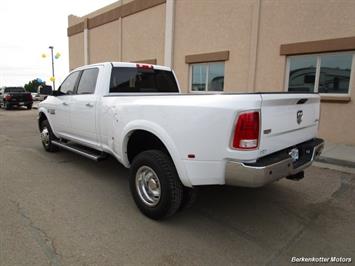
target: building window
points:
(207, 77)
(323, 73)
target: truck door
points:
(61, 113)
(83, 108)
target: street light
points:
(53, 79)
(56, 56)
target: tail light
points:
(7, 97)
(29, 97)
(246, 133)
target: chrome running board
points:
(83, 151)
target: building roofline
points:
(108, 14)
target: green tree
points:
(32, 85)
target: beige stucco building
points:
(234, 46)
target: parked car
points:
(15, 97)
(174, 142)
(35, 96)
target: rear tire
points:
(47, 136)
(7, 106)
(29, 107)
(155, 184)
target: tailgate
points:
(18, 97)
(287, 119)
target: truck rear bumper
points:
(19, 103)
(272, 167)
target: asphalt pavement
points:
(63, 209)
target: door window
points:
(69, 83)
(87, 82)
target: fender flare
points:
(163, 136)
(42, 110)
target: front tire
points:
(155, 184)
(47, 136)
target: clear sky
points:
(27, 28)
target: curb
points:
(334, 161)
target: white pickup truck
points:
(173, 142)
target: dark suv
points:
(15, 96)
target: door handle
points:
(65, 104)
(89, 105)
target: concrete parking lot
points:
(62, 209)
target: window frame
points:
(207, 71)
(318, 66)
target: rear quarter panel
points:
(197, 124)
(201, 125)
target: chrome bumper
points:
(247, 175)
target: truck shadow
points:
(18, 109)
(241, 221)
(220, 201)
(277, 201)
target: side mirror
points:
(45, 90)
(56, 93)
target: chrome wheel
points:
(148, 186)
(45, 136)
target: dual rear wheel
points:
(156, 186)
(154, 183)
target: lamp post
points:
(51, 48)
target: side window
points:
(335, 70)
(68, 84)
(302, 74)
(323, 73)
(87, 82)
(207, 76)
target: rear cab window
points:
(142, 80)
